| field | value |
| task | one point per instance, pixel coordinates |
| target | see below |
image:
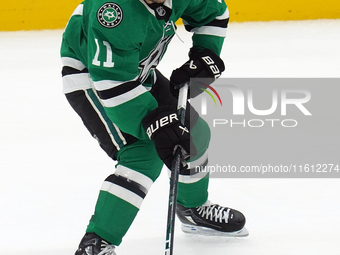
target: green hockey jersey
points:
(121, 43)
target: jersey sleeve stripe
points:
(117, 90)
(70, 70)
(123, 98)
(217, 27)
(207, 30)
(75, 75)
(71, 62)
(74, 82)
(109, 84)
(225, 15)
(218, 23)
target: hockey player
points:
(109, 52)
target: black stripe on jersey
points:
(121, 89)
(128, 184)
(193, 171)
(218, 23)
(67, 70)
(215, 23)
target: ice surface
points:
(51, 169)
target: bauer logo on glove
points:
(202, 63)
(213, 67)
(160, 123)
(167, 133)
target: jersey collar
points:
(160, 11)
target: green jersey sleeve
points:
(208, 20)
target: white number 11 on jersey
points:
(108, 62)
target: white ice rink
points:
(51, 169)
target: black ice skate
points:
(92, 244)
(213, 220)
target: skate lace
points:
(214, 212)
(107, 249)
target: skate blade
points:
(196, 230)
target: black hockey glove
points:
(165, 130)
(203, 63)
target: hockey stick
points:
(175, 167)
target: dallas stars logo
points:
(110, 15)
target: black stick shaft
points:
(175, 167)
